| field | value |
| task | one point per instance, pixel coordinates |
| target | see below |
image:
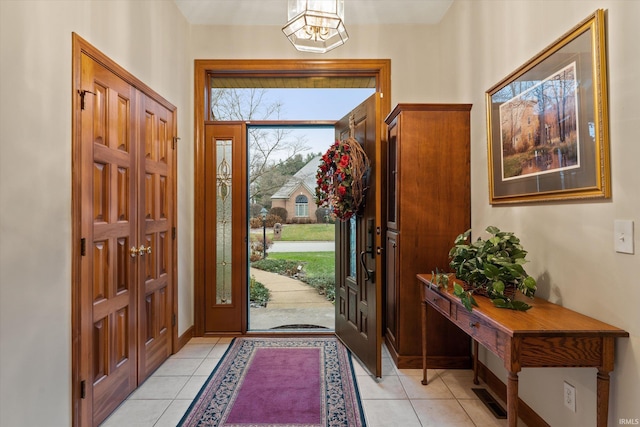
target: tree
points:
(276, 176)
(266, 144)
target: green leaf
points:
(498, 287)
(520, 306)
(491, 271)
(492, 230)
(457, 289)
(500, 303)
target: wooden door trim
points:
(81, 414)
(378, 68)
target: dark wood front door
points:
(358, 247)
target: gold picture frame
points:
(547, 122)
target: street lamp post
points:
(263, 213)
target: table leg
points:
(475, 362)
(512, 399)
(603, 398)
(424, 343)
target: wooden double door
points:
(124, 196)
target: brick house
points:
(297, 195)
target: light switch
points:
(623, 236)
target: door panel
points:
(358, 248)
(108, 307)
(156, 195)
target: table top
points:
(544, 318)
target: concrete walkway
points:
(292, 303)
(304, 246)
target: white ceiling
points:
(274, 12)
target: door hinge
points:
(83, 389)
(173, 233)
(173, 319)
(175, 141)
(83, 247)
(82, 93)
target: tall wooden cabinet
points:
(428, 205)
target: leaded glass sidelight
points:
(223, 221)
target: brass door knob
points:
(133, 251)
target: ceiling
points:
(274, 12)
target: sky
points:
(317, 104)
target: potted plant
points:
(492, 268)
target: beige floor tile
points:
(481, 415)
(138, 413)
(173, 414)
(436, 389)
(179, 367)
(156, 387)
(384, 388)
(441, 413)
(218, 350)
(206, 367)
(194, 351)
(192, 387)
(204, 340)
(416, 372)
(390, 413)
(460, 382)
(388, 368)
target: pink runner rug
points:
(289, 382)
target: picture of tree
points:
(539, 125)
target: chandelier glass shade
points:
(316, 25)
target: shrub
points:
(259, 295)
(257, 246)
(325, 285)
(272, 220)
(281, 212)
(280, 266)
(323, 216)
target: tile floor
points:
(397, 399)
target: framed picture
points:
(547, 122)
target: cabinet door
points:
(391, 293)
(392, 176)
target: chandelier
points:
(316, 25)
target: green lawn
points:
(315, 263)
(308, 232)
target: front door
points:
(358, 247)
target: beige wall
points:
(570, 244)
(151, 40)
(477, 44)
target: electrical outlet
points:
(570, 396)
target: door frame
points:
(81, 413)
(380, 69)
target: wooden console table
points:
(547, 335)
